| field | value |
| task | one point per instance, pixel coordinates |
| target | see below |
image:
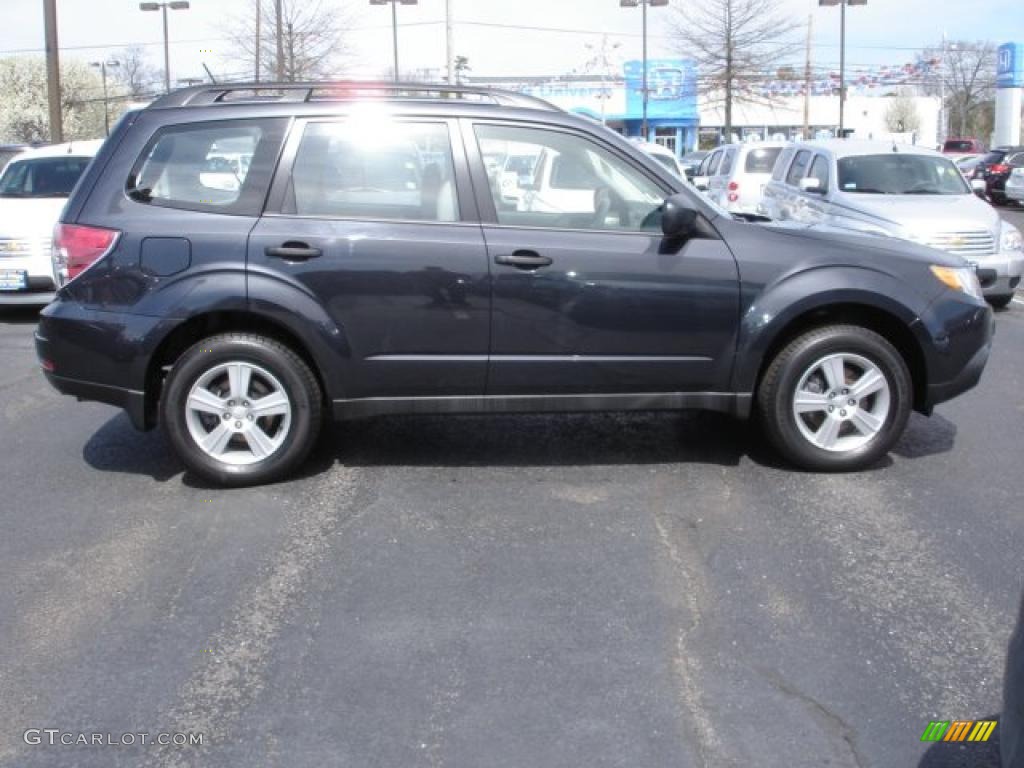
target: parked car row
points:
(878, 188)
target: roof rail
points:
(338, 90)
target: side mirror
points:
(702, 183)
(979, 187)
(811, 185)
(678, 218)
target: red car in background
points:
(960, 147)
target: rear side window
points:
(1016, 159)
(727, 162)
(222, 167)
(762, 159)
(819, 171)
(389, 170)
(796, 171)
(995, 156)
(781, 164)
(713, 161)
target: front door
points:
(587, 296)
(375, 219)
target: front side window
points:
(895, 173)
(576, 184)
(799, 167)
(222, 167)
(379, 170)
(42, 177)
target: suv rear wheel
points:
(836, 398)
(241, 409)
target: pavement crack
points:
(829, 719)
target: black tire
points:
(1000, 302)
(781, 379)
(296, 380)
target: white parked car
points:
(897, 190)
(738, 180)
(1015, 185)
(33, 189)
(663, 155)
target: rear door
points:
(591, 300)
(375, 219)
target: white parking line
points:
(1018, 301)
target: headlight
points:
(959, 279)
(1009, 238)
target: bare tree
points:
(737, 45)
(134, 74)
(311, 35)
(966, 75)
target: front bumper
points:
(1000, 273)
(962, 333)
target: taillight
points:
(999, 168)
(77, 247)
(733, 197)
(733, 186)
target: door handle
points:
(294, 251)
(524, 260)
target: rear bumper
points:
(133, 402)
(26, 298)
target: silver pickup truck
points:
(896, 190)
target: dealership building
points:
(682, 120)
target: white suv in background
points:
(33, 189)
(897, 190)
(739, 179)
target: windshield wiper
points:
(924, 192)
(867, 191)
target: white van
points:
(739, 179)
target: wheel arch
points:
(202, 326)
(889, 324)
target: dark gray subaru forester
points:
(240, 261)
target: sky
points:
(500, 37)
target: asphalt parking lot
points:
(643, 590)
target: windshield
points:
(901, 174)
(42, 177)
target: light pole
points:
(643, 4)
(394, 23)
(103, 75)
(174, 5)
(842, 56)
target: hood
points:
(29, 217)
(853, 243)
(925, 214)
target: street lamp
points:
(174, 5)
(394, 23)
(842, 55)
(103, 74)
(644, 4)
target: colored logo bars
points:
(958, 730)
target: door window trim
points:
(482, 188)
(468, 212)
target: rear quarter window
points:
(222, 167)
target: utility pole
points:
(394, 32)
(279, 31)
(807, 80)
(842, 69)
(450, 34)
(259, 20)
(53, 71)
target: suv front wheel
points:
(836, 398)
(241, 409)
